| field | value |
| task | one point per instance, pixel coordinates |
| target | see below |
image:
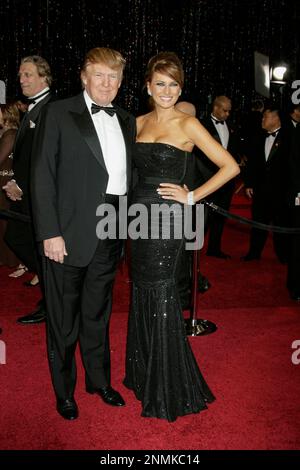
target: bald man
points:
(186, 107)
(217, 126)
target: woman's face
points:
(164, 90)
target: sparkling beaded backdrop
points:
(214, 38)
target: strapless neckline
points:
(162, 143)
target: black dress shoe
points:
(108, 395)
(218, 254)
(67, 409)
(38, 316)
(250, 257)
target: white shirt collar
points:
(32, 105)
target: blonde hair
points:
(104, 55)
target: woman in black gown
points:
(160, 365)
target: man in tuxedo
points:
(294, 115)
(266, 184)
(35, 80)
(217, 126)
(81, 160)
(293, 271)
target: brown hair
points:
(104, 55)
(168, 64)
(42, 66)
(11, 115)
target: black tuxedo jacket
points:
(205, 167)
(69, 176)
(22, 155)
(269, 177)
(294, 165)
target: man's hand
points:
(55, 249)
(13, 191)
(249, 192)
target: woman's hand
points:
(173, 192)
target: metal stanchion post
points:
(194, 326)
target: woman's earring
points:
(149, 93)
(180, 93)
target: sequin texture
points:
(160, 365)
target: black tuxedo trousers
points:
(80, 299)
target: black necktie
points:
(218, 122)
(108, 109)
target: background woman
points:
(9, 122)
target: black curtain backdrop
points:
(215, 39)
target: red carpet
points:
(247, 364)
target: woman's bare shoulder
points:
(143, 117)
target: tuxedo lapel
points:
(33, 114)
(274, 148)
(211, 129)
(84, 122)
(24, 124)
(29, 121)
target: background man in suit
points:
(218, 128)
(294, 115)
(266, 184)
(82, 159)
(35, 80)
(293, 271)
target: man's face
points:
(30, 81)
(222, 111)
(101, 82)
(296, 114)
(270, 121)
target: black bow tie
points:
(218, 122)
(108, 109)
(273, 134)
(30, 101)
(34, 100)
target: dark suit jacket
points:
(22, 154)
(70, 177)
(293, 169)
(269, 178)
(206, 168)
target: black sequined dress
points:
(160, 365)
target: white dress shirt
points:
(269, 142)
(113, 148)
(32, 105)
